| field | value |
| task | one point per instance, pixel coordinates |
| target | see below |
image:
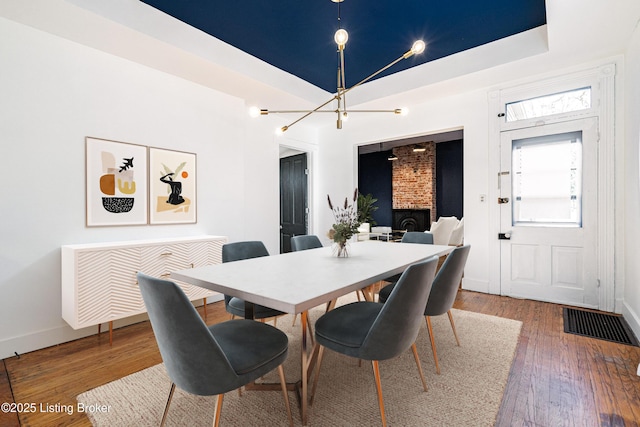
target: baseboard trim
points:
(632, 318)
(476, 285)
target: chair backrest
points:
(446, 283)
(398, 323)
(243, 250)
(304, 242)
(238, 251)
(417, 237)
(191, 355)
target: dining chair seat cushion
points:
(345, 328)
(235, 306)
(252, 348)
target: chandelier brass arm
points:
(341, 36)
(408, 54)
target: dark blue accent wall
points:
(375, 177)
(449, 172)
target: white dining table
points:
(296, 282)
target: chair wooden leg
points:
(216, 416)
(376, 374)
(453, 326)
(317, 376)
(166, 407)
(283, 383)
(433, 343)
(415, 356)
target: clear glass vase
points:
(341, 248)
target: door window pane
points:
(547, 180)
(557, 103)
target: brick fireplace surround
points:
(413, 185)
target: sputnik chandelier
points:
(341, 36)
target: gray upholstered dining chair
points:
(304, 242)
(417, 237)
(374, 331)
(246, 250)
(209, 360)
(443, 293)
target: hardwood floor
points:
(556, 379)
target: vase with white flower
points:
(346, 224)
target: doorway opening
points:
(294, 196)
(421, 175)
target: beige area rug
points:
(468, 392)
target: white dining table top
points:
(295, 282)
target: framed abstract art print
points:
(116, 183)
(172, 187)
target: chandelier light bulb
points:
(341, 36)
(418, 47)
(254, 111)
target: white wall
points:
(631, 309)
(467, 111)
(56, 92)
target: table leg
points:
(248, 310)
(304, 369)
(307, 361)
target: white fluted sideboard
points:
(99, 279)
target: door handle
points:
(502, 200)
(504, 236)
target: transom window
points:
(547, 105)
(547, 180)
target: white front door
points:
(548, 213)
